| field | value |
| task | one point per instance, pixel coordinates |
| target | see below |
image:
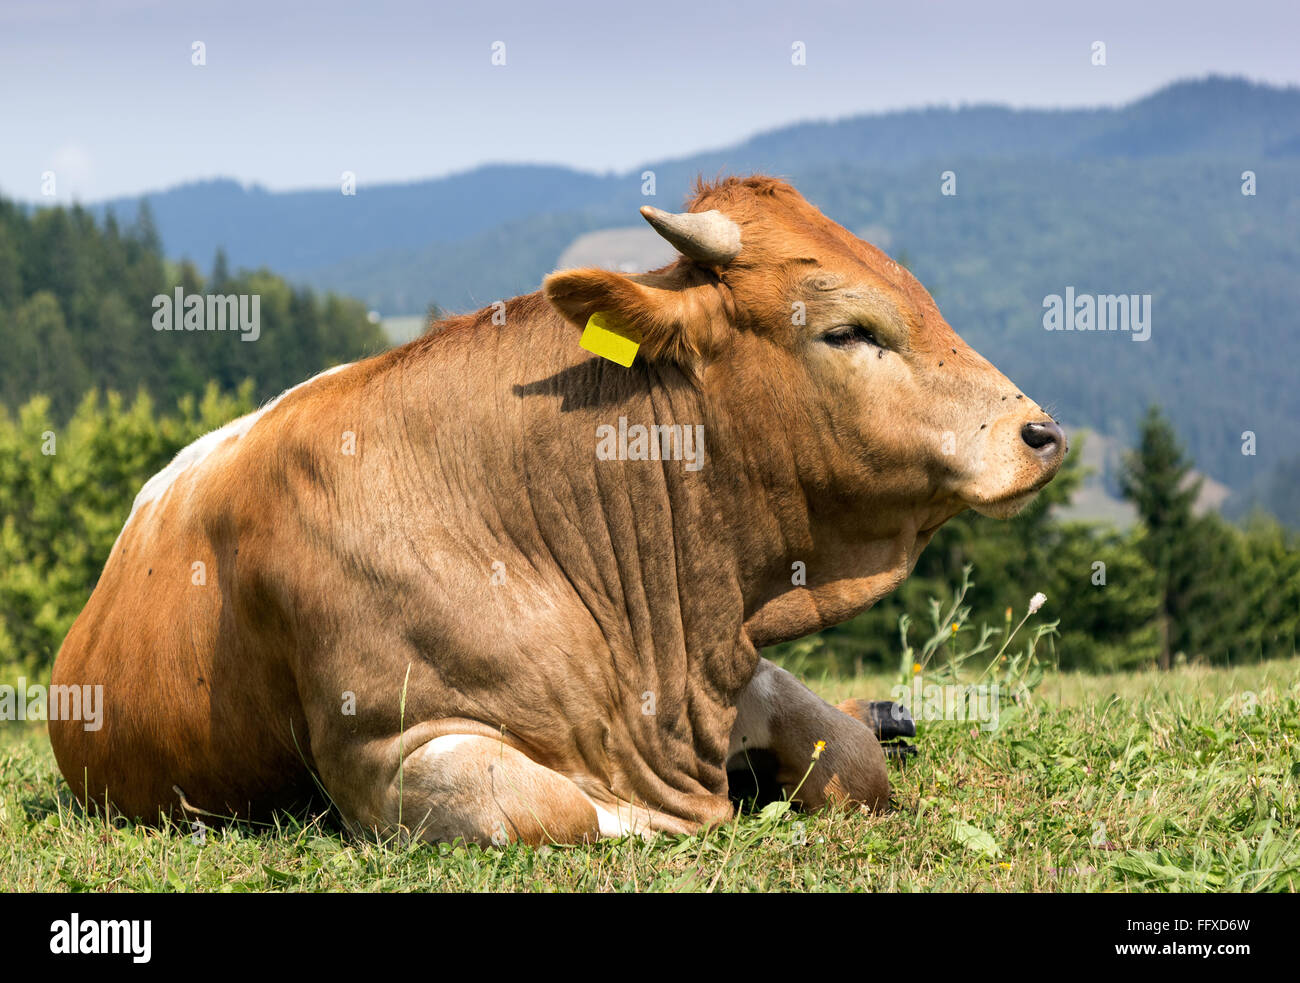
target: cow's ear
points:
(679, 312)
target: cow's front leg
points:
(779, 724)
(460, 786)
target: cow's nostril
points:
(1041, 436)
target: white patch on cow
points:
(157, 486)
(620, 819)
(610, 823)
(449, 742)
(753, 726)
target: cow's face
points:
(889, 409)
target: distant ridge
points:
(1143, 198)
(297, 232)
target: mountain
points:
(296, 231)
(313, 232)
(1142, 199)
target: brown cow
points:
(421, 582)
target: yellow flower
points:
(1008, 614)
(916, 667)
(818, 748)
(1005, 866)
(955, 626)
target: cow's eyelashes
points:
(849, 335)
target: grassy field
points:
(1184, 781)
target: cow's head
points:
(774, 304)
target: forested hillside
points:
(77, 309)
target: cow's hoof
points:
(899, 749)
(887, 719)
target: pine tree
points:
(220, 272)
(1155, 478)
(145, 230)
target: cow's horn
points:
(709, 237)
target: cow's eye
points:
(849, 335)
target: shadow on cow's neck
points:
(598, 384)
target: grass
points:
(1132, 782)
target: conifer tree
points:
(1156, 479)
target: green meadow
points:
(1184, 780)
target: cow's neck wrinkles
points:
(680, 573)
(635, 556)
(735, 528)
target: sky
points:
(107, 95)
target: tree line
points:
(77, 302)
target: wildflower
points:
(818, 748)
(916, 667)
(1004, 865)
(1008, 614)
(955, 627)
(1036, 602)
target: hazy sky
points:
(292, 94)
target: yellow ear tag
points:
(612, 338)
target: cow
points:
(412, 584)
